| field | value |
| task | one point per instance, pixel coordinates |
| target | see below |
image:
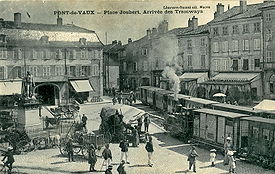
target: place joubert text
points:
(114, 12)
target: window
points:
(95, 70)
(17, 53)
(257, 63)
(235, 45)
(46, 71)
(189, 44)
(135, 66)
(268, 17)
(144, 51)
(83, 54)
(269, 56)
(2, 38)
(85, 71)
(189, 60)
(245, 64)
(216, 65)
(255, 132)
(245, 45)
(33, 54)
(215, 47)
(202, 61)
(124, 66)
(225, 30)
(145, 66)
(58, 70)
(271, 87)
(44, 54)
(235, 65)
(257, 44)
(2, 72)
(245, 28)
(225, 46)
(215, 31)
(57, 54)
(235, 29)
(34, 71)
(63, 54)
(202, 42)
(257, 27)
(17, 72)
(73, 71)
(266, 134)
(3, 53)
(71, 54)
(268, 35)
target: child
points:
(232, 162)
(212, 157)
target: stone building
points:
(236, 48)
(65, 61)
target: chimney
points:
(228, 7)
(189, 22)
(194, 22)
(148, 33)
(59, 21)
(114, 42)
(17, 20)
(129, 40)
(243, 6)
(154, 31)
(119, 43)
(1, 20)
(220, 10)
(164, 26)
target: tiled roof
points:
(189, 31)
(234, 13)
(235, 77)
(46, 27)
(260, 119)
(221, 113)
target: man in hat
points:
(92, 157)
(150, 149)
(120, 168)
(192, 158)
(109, 170)
(84, 121)
(107, 155)
(124, 149)
(10, 159)
(69, 149)
(227, 147)
(212, 157)
(146, 122)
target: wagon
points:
(81, 142)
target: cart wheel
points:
(77, 149)
(24, 146)
(85, 152)
(62, 147)
(42, 143)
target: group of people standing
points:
(129, 99)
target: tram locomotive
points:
(209, 123)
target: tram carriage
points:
(194, 102)
(172, 103)
(237, 109)
(257, 136)
(143, 93)
(212, 127)
(162, 99)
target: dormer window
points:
(82, 41)
(44, 39)
(3, 38)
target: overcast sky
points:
(118, 27)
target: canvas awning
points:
(237, 77)
(200, 77)
(10, 88)
(266, 105)
(81, 85)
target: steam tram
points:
(209, 123)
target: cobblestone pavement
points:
(169, 156)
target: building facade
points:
(59, 57)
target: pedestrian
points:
(192, 159)
(107, 155)
(92, 157)
(84, 121)
(120, 168)
(114, 100)
(134, 97)
(109, 170)
(119, 98)
(135, 136)
(114, 92)
(150, 149)
(8, 156)
(139, 120)
(146, 122)
(70, 151)
(124, 149)
(212, 157)
(227, 147)
(232, 162)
